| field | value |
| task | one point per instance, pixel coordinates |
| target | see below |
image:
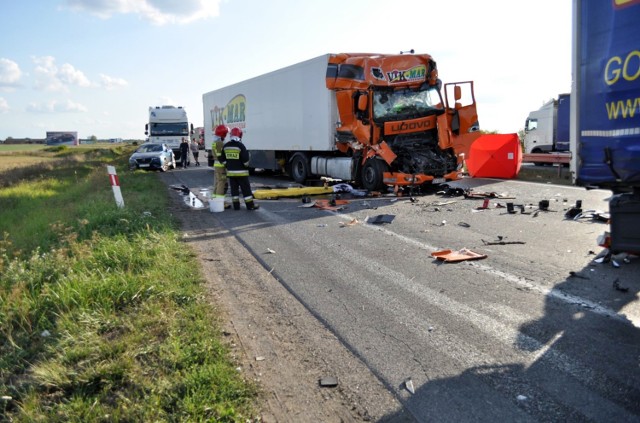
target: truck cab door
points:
(461, 125)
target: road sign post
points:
(115, 185)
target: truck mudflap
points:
(405, 179)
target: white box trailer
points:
(290, 109)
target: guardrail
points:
(551, 158)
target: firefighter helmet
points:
(236, 132)
(221, 131)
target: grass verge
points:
(103, 311)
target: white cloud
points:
(4, 106)
(159, 12)
(9, 73)
(55, 106)
(71, 76)
(111, 83)
(48, 77)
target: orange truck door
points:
(462, 117)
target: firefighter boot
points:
(236, 205)
(252, 206)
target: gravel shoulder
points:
(276, 341)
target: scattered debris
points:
(353, 221)
(577, 275)
(521, 398)
(617, 287)
(328, 382)
(450, 256)
(260, 358)
(500, 241)
(331, 204)
(309, 204)
(380, 219)
(270, 251)
(408, 384)
(485, 195)
(464, 224)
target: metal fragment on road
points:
(328, 382)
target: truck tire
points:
(372, 178)
(300, 170)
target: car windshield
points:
(150, 148)
(402, 104)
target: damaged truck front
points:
(373, 119)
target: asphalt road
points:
(536, 331)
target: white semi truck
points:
(168, 125)
(547, 129)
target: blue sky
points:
(95, 66)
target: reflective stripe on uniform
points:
(237, 173)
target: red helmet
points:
(221, 131)
(236, 132)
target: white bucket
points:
(216, 205)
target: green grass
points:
(103, 309)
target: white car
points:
(153, 156)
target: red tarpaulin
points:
(495, 156)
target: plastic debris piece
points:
(577, 275)
(450, 256)
(270, 251)
(521, 398)
(260, 358)
(350, 223)
(380, 219)
(464, 224)
(409, 385)
(617, 287)
(328, 381)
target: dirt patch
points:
(275, 339)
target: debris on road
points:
(380, 219)
(500, 241)
(328, 382)
(270, 251)
(617, 287)
(408, 384)
(353, 221)
(463, 254)
(577, 275)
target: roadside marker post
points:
(115, 185)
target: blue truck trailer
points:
(605, 104)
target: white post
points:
(115, 184)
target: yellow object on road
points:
(273, 194)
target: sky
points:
(96, 66)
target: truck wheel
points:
(372, 170)
(300, 168)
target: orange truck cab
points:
(396, 118)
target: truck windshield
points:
(161, 128)
(404, 104)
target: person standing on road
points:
(184, 153)
(235, 157)
(195, 150)
(219, 171)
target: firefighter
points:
(235, 158)
(220, 173)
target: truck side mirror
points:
(362, 103)
(457, 92)
(191, 129)
(146, 129)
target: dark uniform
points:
(184, 153)
(235, 158)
